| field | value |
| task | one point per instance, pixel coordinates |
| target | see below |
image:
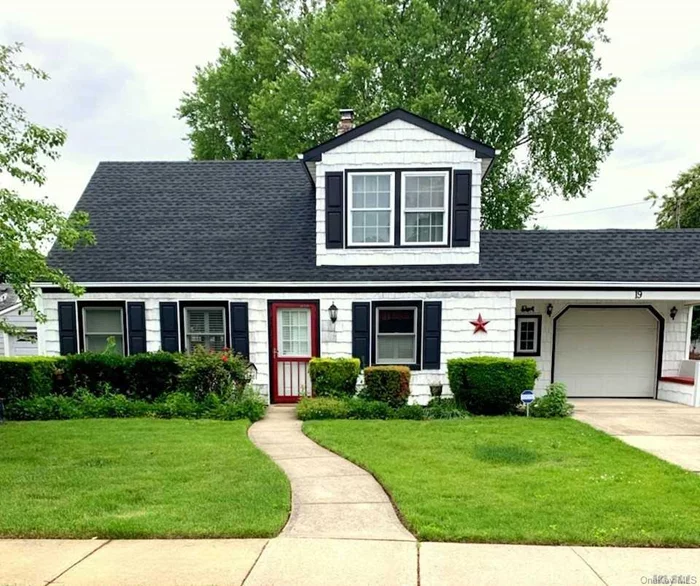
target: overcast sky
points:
(118, 69)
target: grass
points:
(137, 478)
(517, 480)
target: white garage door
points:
(607, 352)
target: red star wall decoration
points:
(479, 324)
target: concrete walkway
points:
(667, 430)
(331, 497)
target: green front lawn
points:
(137, 478)
(517, 480)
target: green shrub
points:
(409, 412)
(390, 384)
(177, 404)
(43, 408)
(487, 385)
(152, 375)
(108, 404)
(553, 403)
(334, 377)
(322, 408)
(248, 405)
(444, 408)
(366, 409)
(93, 372)
(220, 373)
(24, 377)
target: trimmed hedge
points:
(488, 385)
(334, 377)
(355, 408)
(31, 376)
(389, 384)
(146, 376)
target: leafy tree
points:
(521, 75)
(681, 207)
(28, 226)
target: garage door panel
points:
(607, 352)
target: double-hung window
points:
(396, 335)
(425, 199)
(100, 324)
(527, 335)
(205, 327)
(371, 217)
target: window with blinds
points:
(102, 324)
(205, 327)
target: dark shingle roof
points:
(254, 221)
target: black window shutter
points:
(361, 332)
(169, 335)
(462, 208)
(136, 325)
(334, 210)
(67, 328)
(432, 329)
(239, 329)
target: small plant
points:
(334, 377)
(366, 409)
(415, 412)
(222, 373)
(322, 408)
(553, 403)
(446, 408)
(389, 384)
(435, 388)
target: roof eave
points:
(483, 151)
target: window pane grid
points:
(370, 209)
(424, 208)
(527, 335)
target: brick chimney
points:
(346, 122)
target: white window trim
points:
(122, 333)
(187, 325)
(348, 202)
(379, 308)
(536, 340)
(445, 206)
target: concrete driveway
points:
(667, 430)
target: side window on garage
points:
(527, 335)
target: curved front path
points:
(331, 497)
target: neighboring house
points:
(370, 245)
(24, 344)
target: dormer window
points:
(424, 203)
(371, 210)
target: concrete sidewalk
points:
(288, 561)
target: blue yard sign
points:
(527, 397)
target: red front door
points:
(294, 336)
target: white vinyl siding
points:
(424, 202)
(396, 338)
(370, 209)
(205, 327)
(99, 325)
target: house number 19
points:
(637, 294)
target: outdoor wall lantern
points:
(674, 311)
(333, 313)
(550, 309)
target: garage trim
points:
(651, 309)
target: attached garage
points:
(607, 351)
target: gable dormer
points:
(398, 190)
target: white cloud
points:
(119, 68)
